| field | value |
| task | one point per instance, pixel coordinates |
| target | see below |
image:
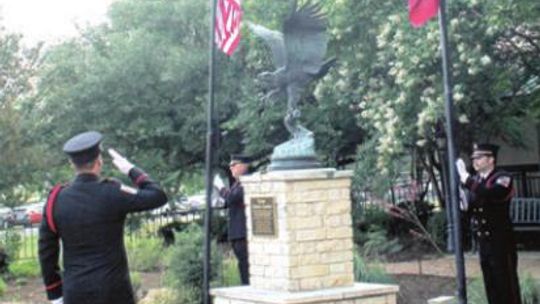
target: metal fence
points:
(163, 224)
(527, 184)
(138, 225)
(404, 191)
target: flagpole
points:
(209, 158)
(458, 250)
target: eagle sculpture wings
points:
(298, 55)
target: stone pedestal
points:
(300, 241)
(358, 293)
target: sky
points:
(50, 20)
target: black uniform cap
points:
(240, 159)
(84, 147)
(480, 150)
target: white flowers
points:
(458, 96)
(485, 60)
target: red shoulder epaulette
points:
(50, 206)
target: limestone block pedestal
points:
(300, 242)
(359, 293)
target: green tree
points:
(19, 158)
(393, 74)
(142, 80)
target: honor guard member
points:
(234, 201)
(491, 191)
(87, 217)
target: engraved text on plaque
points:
(263, 216)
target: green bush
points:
(367, 217)
(136, 281)
(530, 291)
(185, 265)
(134, 222)
(231, 275)
(377, 243)
(3, 287)
(10, 243)
(24, 269)
(219, 226)
(475, 291)
(436, 227)
(374, 273)
(144, 254)
(407, 216)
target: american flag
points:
(227, 31)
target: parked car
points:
(35, 213)
(26, 215)
(34, 217)
(19, 216)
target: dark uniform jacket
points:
(89, 216)
(490, 206)
(490, 211)
(234, 201)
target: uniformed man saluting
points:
(234, 201)
(491, 191)
(87, 216)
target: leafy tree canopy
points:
(142, 79)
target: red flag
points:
(227, 30)
(420, 11)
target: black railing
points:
(162, 224)
(144, 224)
(527, 184)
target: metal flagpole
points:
(209, 158)
(458, 250)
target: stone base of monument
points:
(300, 242)
(359, 293)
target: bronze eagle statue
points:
(298, 55)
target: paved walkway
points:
(445, 266)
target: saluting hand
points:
(462, 170)
(218, 182)
(120, 162)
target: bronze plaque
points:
(263, 216)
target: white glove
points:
(58, 301)
(218, 182)
(463, 200)
(120, 162)
(462, 170)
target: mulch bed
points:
(417, 289)
(414, 289)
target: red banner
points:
(420, 11)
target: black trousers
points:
(499, 269)
(241, 252)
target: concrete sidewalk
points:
(528, 262)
